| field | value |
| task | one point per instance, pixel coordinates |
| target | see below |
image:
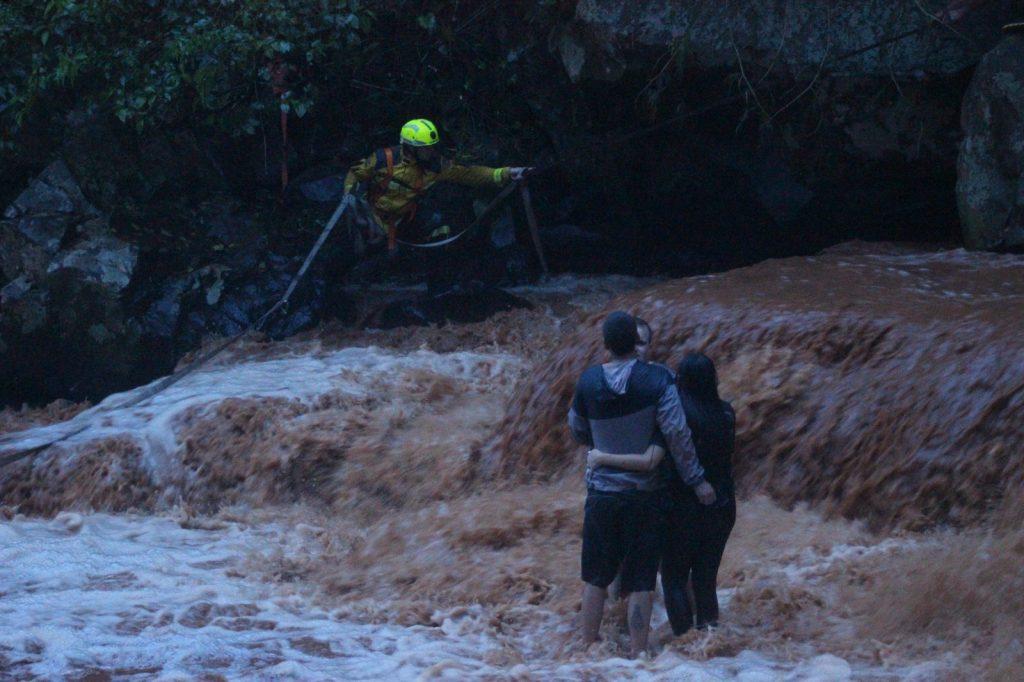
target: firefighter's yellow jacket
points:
(394, 186)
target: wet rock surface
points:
(63, 329)
(990, 188)
(801, 34)
(36, 223)
(472, 303)
(87, 311)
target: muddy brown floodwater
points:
(408, 503)
(884, 383)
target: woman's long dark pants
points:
(693, 551)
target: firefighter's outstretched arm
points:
(482, 176)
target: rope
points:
(174, 378)
(345, 202)
(472, 226)
(432, 245)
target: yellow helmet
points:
(419, 132)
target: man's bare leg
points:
(640, 606)
(592, 612)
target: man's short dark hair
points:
(619, 331)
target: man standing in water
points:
(618, 408)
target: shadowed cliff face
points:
(800, 34)
(772, 129)
(883, 383)
(990, 174)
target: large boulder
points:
(63, 329)
(990, 171)
(86, 310)
(222, 281)
(36, 223)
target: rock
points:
(471, 303)
(38, 221)
(229, 279)
(600, 63)
(54, 192)
(217, 300)
(324, 190)
(104, 260)
(64, 331)
(160, 320)
(19, 257)
(25, 311)
(799, 35)
(990, 168)
(573, 55)
(503, 226)
(836, 119)
(14, 290)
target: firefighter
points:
(396, 177)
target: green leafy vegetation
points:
(169, 100)
(154, 62)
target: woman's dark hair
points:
(697, 377)
(711, 419)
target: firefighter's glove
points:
(520, 173)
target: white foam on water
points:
(304, 377)
(143, 594)
(810, 563)
(142, 597)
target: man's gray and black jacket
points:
(619, 408)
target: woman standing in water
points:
(698, 533)
(713, 423)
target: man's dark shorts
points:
(623, 530)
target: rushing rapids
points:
(885, 383)
(407, 503)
